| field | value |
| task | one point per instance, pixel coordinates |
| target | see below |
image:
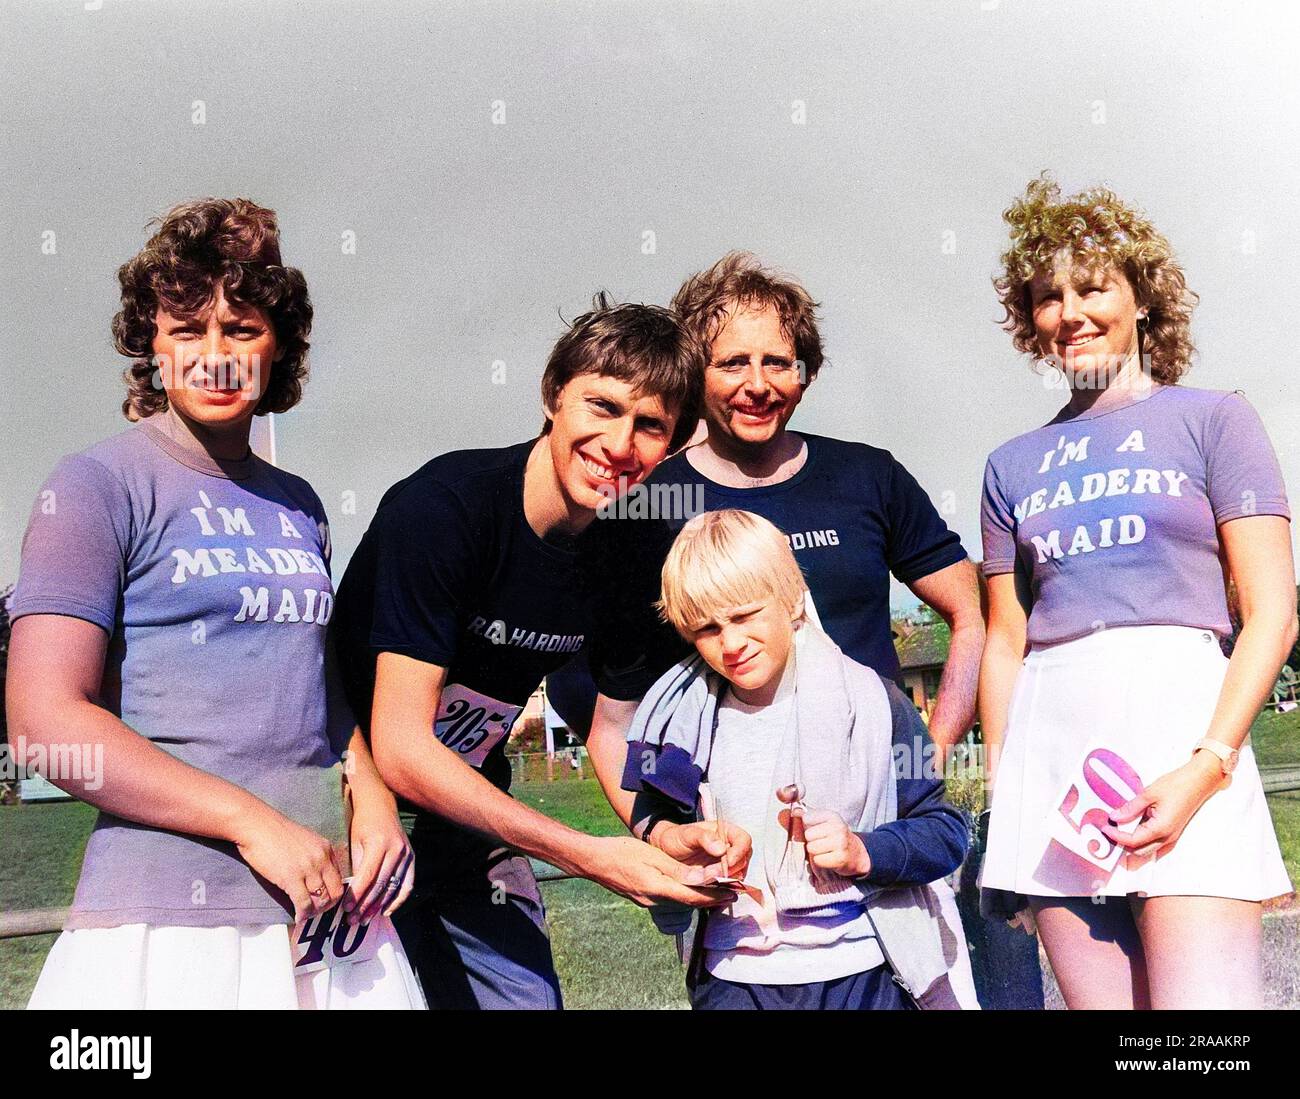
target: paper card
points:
(472, 724)
(1102, 783)
(738, 884)
(328, 941)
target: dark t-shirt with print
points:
(853, 516)
(450, 573)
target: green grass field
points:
(607, 952)
(1285, 809)
(40, 858)
(1276, 739)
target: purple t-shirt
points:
(212, 582)
(1113, 515)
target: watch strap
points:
(1227, 754)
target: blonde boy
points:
(817, 760)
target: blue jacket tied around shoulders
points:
(839, 749)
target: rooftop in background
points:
(922, 649)
(921, 646)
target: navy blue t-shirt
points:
(451, 573)
(852, 514)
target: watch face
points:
(1230, 764)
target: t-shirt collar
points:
(237, 469)
(1104, 407)
(810, 441)
(563, 547)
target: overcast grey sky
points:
(499, 162)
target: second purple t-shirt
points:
(1113, 515)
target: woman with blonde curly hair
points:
(169, 640)
(1127, 810)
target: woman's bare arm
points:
(1004, 652)
(1257, 549)
(56, 665)
(1258, 552)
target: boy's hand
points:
(831, 845)
(699, 844)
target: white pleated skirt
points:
(1145, 694)
(138, 966)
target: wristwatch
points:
(1227, 756)
(643, 828)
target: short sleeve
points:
(425, 561)
(309, 500)
(323, 532)
(1242, 475)
(75, 549)
(997, 526)
(919, 541)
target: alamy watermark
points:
(102, 1052)
(83, 763)
(1098, 371)
(227, 375)
(673, 502)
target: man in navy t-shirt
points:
(853, 515)
(469, 587)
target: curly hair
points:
(643, 345)
(199, 246)
(740, 279)
(1098, 230)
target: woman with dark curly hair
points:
(184, 585)
(1127, 811)
(227, 247)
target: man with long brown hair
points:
(852, 513)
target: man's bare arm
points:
(416, 765)
(953, 592)
(607, 748)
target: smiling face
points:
(748, 646)
(1085, 320)
(605, 437)
(215, 365)
(752, 384)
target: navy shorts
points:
(873, 990)
(474, 927)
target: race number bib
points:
(1105, 781)
(328, 941)
(472, 724)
